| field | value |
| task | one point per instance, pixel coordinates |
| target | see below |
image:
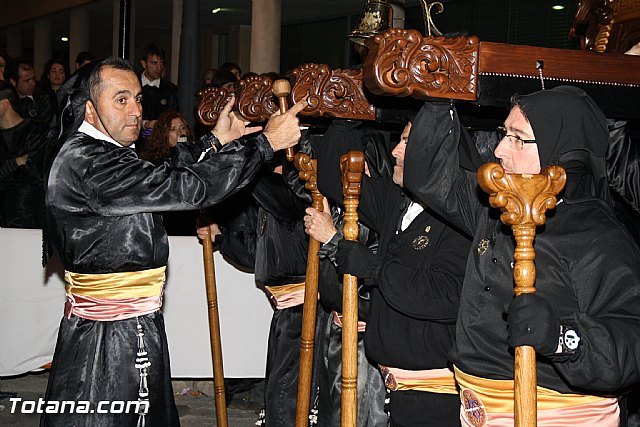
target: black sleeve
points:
(432, 169)
(623, 162)
(237, 218)
(141, 186)
(608, 319)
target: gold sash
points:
(497, 395)
(129, 284)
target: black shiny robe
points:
(21, 187)
(587, 269)
(104, 203)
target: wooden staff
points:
(308, 173)
(352, 167)
(523, 199)
(214, 331)
(281, 89)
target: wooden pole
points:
(523, 199)
(281, 89)
(308, 173)
(352, 167)
(214, 331)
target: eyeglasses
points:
(515, 142)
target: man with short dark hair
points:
(584, 318)
(158, 94)
(22, 150)
(30, 105)
(103, 218)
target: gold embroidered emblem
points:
(483, 246)
(420, 242)
(474, 411)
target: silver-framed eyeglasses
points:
(516, 142)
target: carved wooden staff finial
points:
(523, 199)
(308, 173)
(352, 167)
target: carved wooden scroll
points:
(607, 25)
(212, 100)
(308, 173)
(404, 63)
(332, 93)
(523, 199)
(256, 102)
(352, 168)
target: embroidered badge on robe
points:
(483, 246)
(421, 242)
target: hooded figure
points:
(571, 131)
(413, 277)
(584, 319)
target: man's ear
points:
(144, 64)
(90, 113)
(13, 81)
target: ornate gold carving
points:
(404, 63)
(332, 93)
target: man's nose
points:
(136, 109)
(500, 148)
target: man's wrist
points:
(216, 144)
(335, 233)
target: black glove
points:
(532, 322)
(356, 259)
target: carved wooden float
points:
(405, 63)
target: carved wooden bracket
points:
(332, 93)
(405, 63)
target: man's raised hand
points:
(230, 125)
(283, 130)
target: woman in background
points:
(170, 130)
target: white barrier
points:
(32, 301)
